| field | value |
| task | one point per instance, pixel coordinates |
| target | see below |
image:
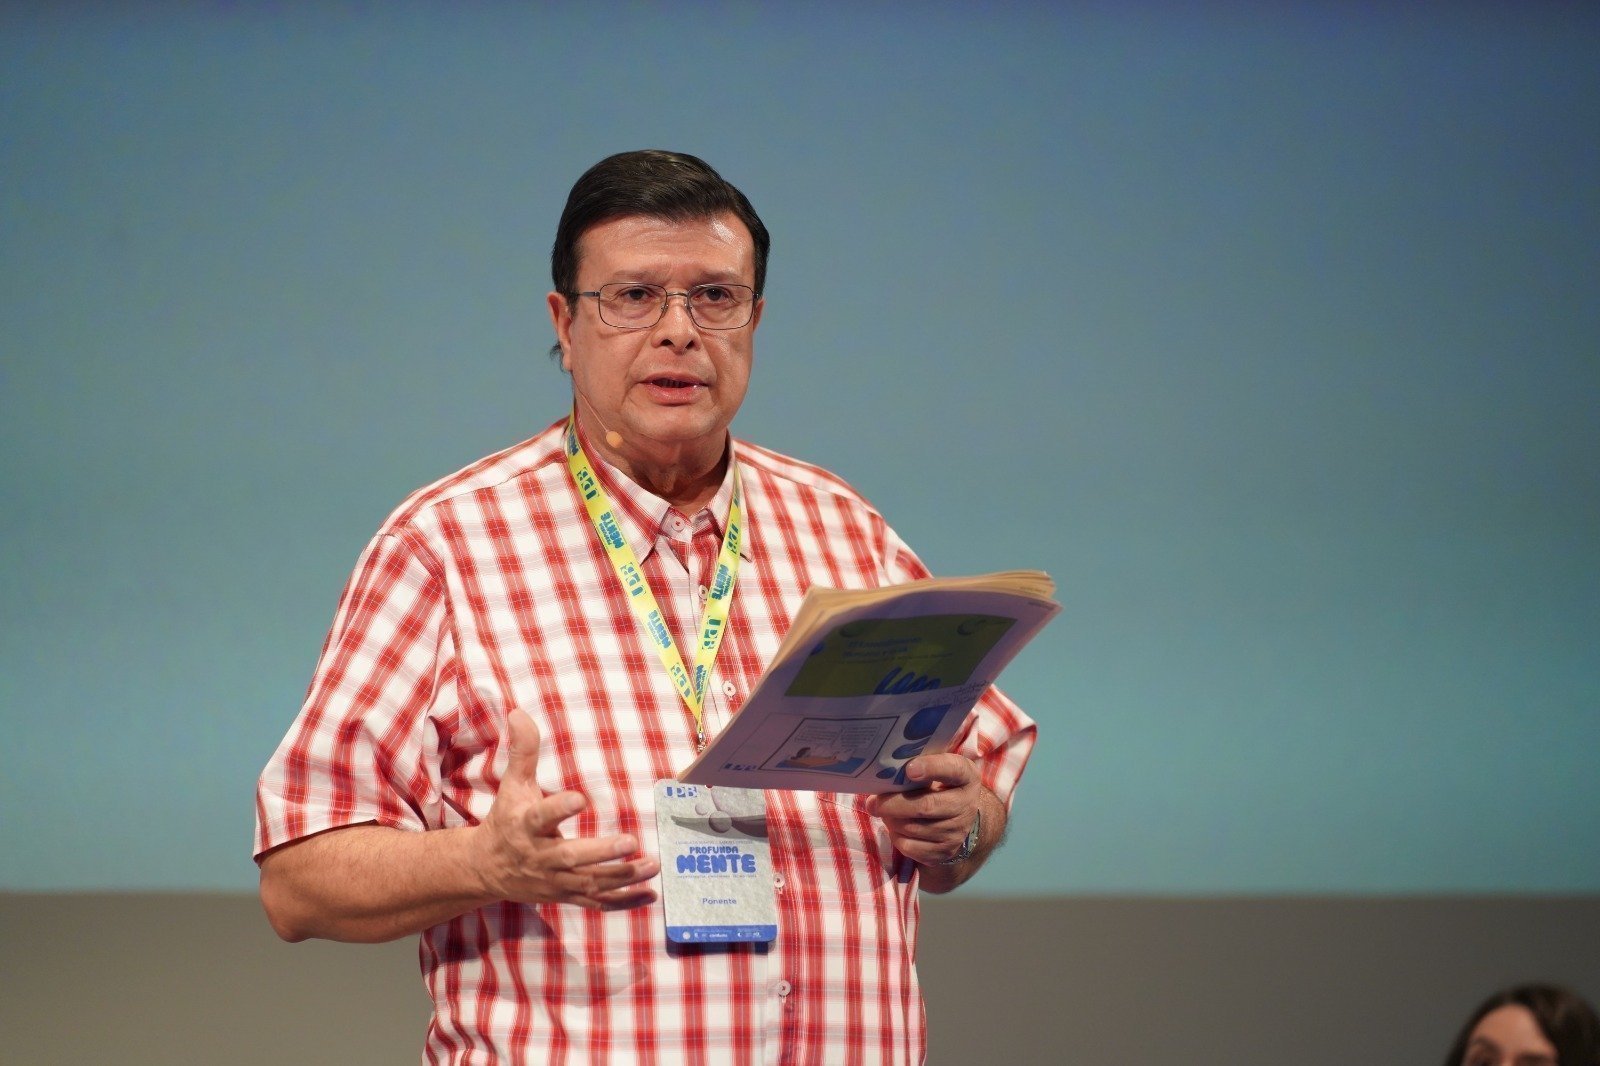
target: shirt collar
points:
(642, 515)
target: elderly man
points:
(476, 758)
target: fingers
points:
(603, 878)
(929, 822)
(582, 871)
(524, 747)
(931, 828)
(543, 816)
(950, 770)
(923, 835)
(535, 863)
(947, 787)
(524, 855)
(587, 853)
(930, 808)
(621, 899)
(612, 886)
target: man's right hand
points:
(373, 883)
(523, 856)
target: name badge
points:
(716, 864)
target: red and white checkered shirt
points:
(490, 589)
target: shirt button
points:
(777, 879)
(728, 688)
(702, 594)
(783, 988)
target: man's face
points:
(672, 389)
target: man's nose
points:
(677, 326)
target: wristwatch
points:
(969, 845)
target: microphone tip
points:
(613, 438)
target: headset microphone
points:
(613, 438)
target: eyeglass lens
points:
(712, 306)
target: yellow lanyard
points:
(719, 599)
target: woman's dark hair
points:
(656, 184)
(1569, 1023)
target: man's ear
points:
(561, 319)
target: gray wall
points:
(168, 980)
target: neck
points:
(687, 488)
(685, 475)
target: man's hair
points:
(656, 184)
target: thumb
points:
(524, 759)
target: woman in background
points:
(1529, 1025)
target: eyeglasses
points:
(635, 305)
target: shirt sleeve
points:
(362, 749)
(997, 735)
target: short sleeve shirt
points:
(489, 590)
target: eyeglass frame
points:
(666, 297)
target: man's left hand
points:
(928, 824)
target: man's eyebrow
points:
(652, 277)
(643, 276)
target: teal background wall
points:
(1273, 335)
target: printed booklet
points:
(866, 679)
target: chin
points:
(684, 432)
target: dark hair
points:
(654, 183)
(1568, 1022)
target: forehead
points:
(719, 245)
(1513, 1028)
